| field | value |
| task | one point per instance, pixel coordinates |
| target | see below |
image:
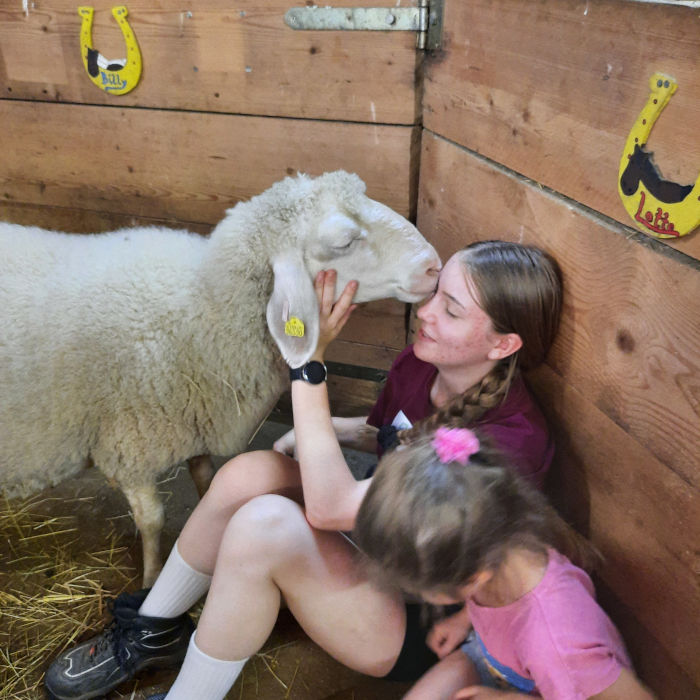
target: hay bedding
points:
(51, 589)
(54, 586)
(62, 557)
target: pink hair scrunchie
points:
(455, 445)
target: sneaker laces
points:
(115, 635)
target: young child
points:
(445, 517)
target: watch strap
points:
(313, 372)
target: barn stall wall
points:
(230, 101)
(525, 112)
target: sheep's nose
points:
(425, 278)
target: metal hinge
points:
(425, 20)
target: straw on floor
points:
(51, 589)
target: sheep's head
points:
(367, 241)
(358, 237)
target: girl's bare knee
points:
(271, 512)
(268, 524)
(248, 475)
(227, 476)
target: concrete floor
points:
(290, 666)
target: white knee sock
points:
(177, 588)
(203, 676)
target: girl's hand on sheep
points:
(332, 316)
(287, 444)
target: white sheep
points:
(145, 347)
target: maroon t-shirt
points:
(517, 426)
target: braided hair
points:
(519, 287)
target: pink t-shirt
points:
(516, 426)
(556, 637)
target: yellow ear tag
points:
(116, 77)
(295, 327)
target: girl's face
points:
(454, 331)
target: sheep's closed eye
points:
(353, 236)
(347, 245)
(337, 235)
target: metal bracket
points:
(425, 20)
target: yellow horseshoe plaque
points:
(117, 77)
(662, 208)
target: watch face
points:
(314, 372)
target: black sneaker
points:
(130, 643)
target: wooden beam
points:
(186, 166)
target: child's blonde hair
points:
(430, 526)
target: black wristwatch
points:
(313, 372)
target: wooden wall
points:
(527, 109)
(230, 101)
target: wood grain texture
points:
(373, 336)
(552, 88)
(669, 679)
(185, 166)
(621, 384)
(72, 220)
(364, 353)
(629, 340)
(643, 517)
(348, 397)
(215, 56)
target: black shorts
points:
(415, 657)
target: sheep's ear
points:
(292, 312)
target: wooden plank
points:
(214, 56)
(551, 89)
(348, 397)
(643, 516)
(629, 340)
(621, 386)
(658, 669)
(187, 166)
(349, 351)
(380, 323)
(71, 220)
(373, 337)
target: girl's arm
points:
(626, 687)
(356, 433)
(351, 432)
(332, 496)
(447, 633)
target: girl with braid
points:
(270, 527)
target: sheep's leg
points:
(147, 509)
(202, 472)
